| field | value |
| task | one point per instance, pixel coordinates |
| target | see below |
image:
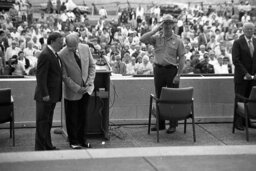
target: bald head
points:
(248, 29)
(72, 41)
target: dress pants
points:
(44, 116)
(163, 77)
(76, 116)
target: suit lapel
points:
(254, 45)
(73, 60)
(245, 44)
(55, 58)
(82, 55)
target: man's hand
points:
(82, 90)
(176, 79)
(248, 76)
(157, 27)
(46, 98)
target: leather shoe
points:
(154, 129)
(75, 146)
(53, 148)
(171, 130)
(239, 127)
(86, 145)
(252, 125)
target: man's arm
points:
(42, 76)
(146, 38)
(236, 59)
(92, 69)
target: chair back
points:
(175, 103)
(5, 105)
(252, 106)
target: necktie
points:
(251, 47)
(78, 61)
(58, 58)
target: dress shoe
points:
(154, 129)
(239, 127)
(86, 145)
(252, 125)
(53, 148)
(171, 130)
(75, 146)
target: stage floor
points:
(131, 148)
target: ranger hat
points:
(168, 17)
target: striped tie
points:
(251, 47)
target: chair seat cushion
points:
(241, 110)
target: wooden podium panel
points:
(98, 111)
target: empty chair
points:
(246, 108)
(6, 110)
(173, 104)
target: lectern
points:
(98, 112)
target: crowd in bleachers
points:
(207, 32)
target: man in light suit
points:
(48, 90)
(78, 75)
(244, 59)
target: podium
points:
(98, 109)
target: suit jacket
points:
(74, 77)
(242, 59)
(48, 76)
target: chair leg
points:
(185, 126)
(149, 115)
(234, 118)
(149, 122)
(246, 125)
(157, 128)
(11, 129)
(193, 127)
(13, 133)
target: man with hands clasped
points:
(78, 76)
(244, 59)
(169, 59)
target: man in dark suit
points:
(78, 75)
(48, 90)
(244, 59)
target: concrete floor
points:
(131, 148)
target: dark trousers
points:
(163, 77)
(244, 88)
(44, 116)
(76, 116)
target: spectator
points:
(119, 67)
(204, 67)
(145, 68)
(11, 51)
(188, 68)
(17, 66)
(220, 68)
(103, 13)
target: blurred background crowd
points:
(207, 31)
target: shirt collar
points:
(247, 40)
(53, 51)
